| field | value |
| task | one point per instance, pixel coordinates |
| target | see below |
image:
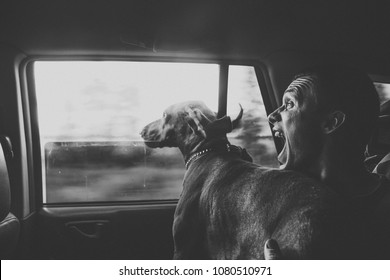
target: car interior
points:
(79, 80)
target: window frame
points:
(31, 125)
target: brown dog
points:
(229, 206)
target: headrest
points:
(383, 166)
(379, 144)
(381, 137)
(5, 192)
(385, 108)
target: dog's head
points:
(186, 124)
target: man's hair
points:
(351, 91)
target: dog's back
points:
(233, 206)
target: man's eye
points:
(289, 105)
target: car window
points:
(254, 133)
(90, 115)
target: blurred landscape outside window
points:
(254, 134)
(90, 115)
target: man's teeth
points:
(278, 134)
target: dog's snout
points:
(145, 132)
(151, 132)
(147, 128)
(142, 132)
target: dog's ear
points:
(236, 122)
(223, 125)
(201, 124)
(219, 127)
(194, 119)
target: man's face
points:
(298, 123)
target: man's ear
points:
(333, 121)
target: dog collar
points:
(197, 155)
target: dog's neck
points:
(219, 145)
(199, 154)
(204, 146)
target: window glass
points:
(90, 115)
(255, 134)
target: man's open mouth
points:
(279, 134)
(282, 157)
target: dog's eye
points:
(164, 115)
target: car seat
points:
(9, 224)
(383, 167)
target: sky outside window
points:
(114, 100)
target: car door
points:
(96, 191)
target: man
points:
(326, 120)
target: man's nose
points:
(274, 117)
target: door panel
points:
(105, 232)
(93, 180)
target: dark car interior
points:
(78, 79)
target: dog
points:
(230, 206)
